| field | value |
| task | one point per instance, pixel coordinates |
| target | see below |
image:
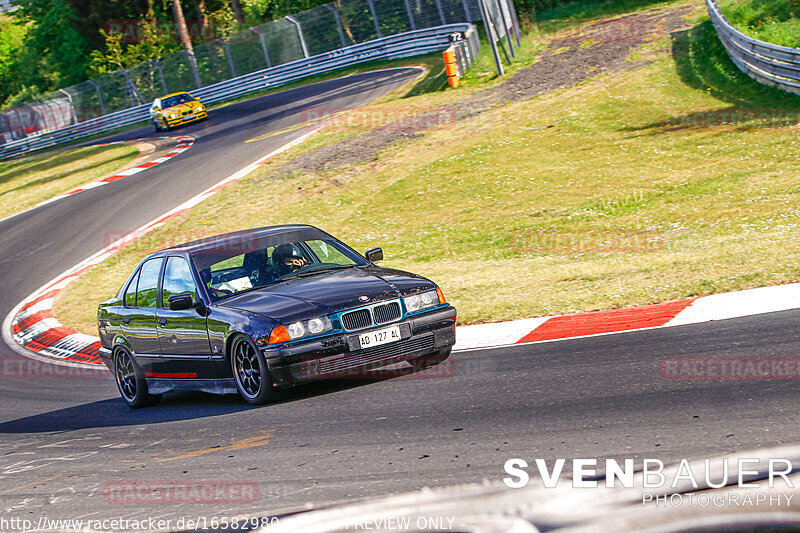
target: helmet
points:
(279, 256)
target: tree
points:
(12, 35)
(183, 34)
(60, 51)
(237, 11)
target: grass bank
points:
(27, 181)
(773, 21)
(673, 179)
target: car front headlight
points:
(174, 115)
(314, 326)
(423, 300)
(201, 108)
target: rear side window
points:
(130, 292)
(147, 288)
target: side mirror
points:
(181, 302)
(375, 255)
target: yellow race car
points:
(176, 109)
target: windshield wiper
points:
(314, 272)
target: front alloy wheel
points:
(250, 371)
(130, 381)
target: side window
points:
(130, 292)
(147, 290)
(177, 280)
(328, 254)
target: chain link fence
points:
(317, 31)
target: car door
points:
(138, 316)
(185, 349)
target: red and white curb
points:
(32, 330)
(675, 313)
(184, 142)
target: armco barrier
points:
(396, 46)
(767, 63)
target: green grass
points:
(571, 13)
(27, 181)
(773, 21)
(673, 180)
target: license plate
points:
(378, 337)
(188, 117)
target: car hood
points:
(331, 292)
(183, 108)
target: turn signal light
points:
(441, 296)
(279, 335)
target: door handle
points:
(162, 321)
(126, 320)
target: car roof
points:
(174, 94)
(224, 240)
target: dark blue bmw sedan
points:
(260, 310)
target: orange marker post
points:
(450, 67)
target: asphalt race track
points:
(65, 438)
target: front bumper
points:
(199, 115)
(340, 356)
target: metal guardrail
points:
(767, 63)
(394, 47)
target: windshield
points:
(176, 100)
(244, 270)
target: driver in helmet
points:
(287, 259)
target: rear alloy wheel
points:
(130, 381)
(251, 373)
(156, 125)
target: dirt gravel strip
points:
(582, 54)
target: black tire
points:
(426, 361)
(156, 125)
(250, 372)
(131, 382)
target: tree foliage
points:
(56, 43)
